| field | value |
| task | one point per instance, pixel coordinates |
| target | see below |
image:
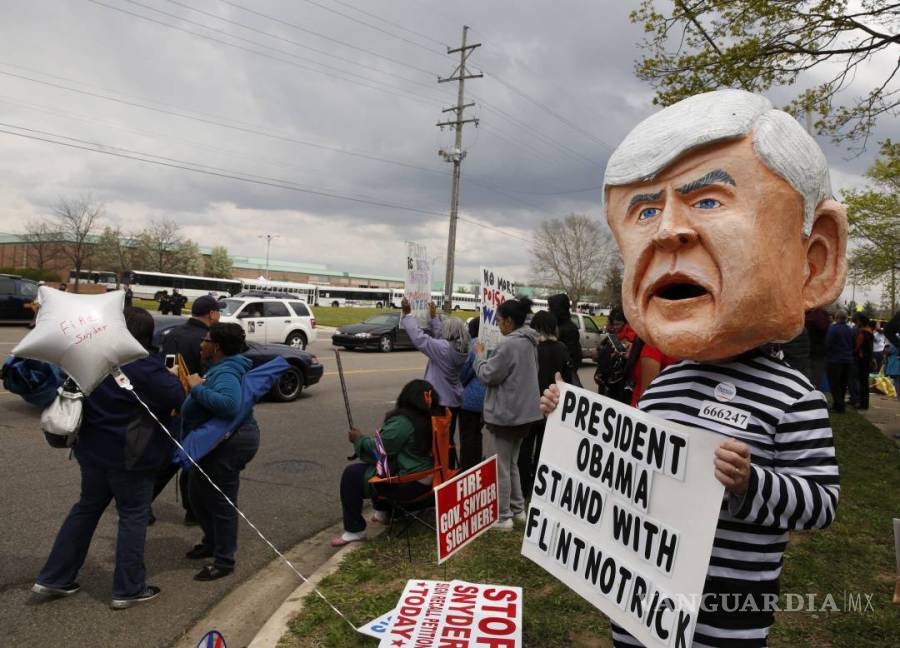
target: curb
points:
(277, 625)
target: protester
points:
(650, 362)
(796, 352)
(816, 323)
(892, 330)
(129, 295)
(471, 410)
(892, 366)
(406, 439)
(612, 356)
(511, 379)
(177, 302)
(560, 306)
(553, 358)
(186, 340)
(878, 344)
(219, 395)
(863, 356)
(446, 349)
(115, 464)
(839, 350)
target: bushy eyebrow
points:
(642, 198)
(709, 179)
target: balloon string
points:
(239, 512)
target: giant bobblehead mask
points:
(722, 209)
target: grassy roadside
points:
(854, 555)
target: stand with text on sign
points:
(624, 511)
(417, 287)
(496, 288)
(456, 614)
(466, 506)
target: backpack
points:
(61, 421)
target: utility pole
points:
(268, 238)
(456, 156)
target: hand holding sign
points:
(84, 335)
(550, 397)
(405, 307)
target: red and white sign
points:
(465, 507)
(456, 615)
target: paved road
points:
(289, 491)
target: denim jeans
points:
(217, 518)
(132, 491)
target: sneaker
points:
(504, 525)
(150, 592)
(212, 572)
(49, 590)
(520, 517)
(347, 537)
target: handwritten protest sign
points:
(456, 614)
(623, 511)
(496, 288)
(466, 506)
(417, 288)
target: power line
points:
(293, 42)
(213, 121)
(406, 94)
(369, 25)
(150, 158)
(388, 22)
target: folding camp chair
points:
(445, 467)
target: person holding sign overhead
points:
(721, 206)
(510, 376)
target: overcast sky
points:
(336, 97)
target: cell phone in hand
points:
(170, 361)
(616, 343)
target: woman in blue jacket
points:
(218, 395)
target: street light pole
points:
(268, 238)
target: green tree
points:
(187, 259)
(115, 250)
(158, 245)
(218, 263)
(701, 45)
(874, 216)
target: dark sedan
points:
(305, 368)
(381, 331)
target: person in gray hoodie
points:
(510, 378)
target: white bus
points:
(350, 296)
(461, 301)
(149, 285)
(304, 291)
(106, 278)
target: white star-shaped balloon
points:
(84, 335)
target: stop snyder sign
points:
(466, 506)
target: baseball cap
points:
(204, 304)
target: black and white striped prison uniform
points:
(793, 484)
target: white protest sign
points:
(456, 614)
(417, 287)
(624, 511)
(496, 288)
(377, 627)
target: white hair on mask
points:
(780, 141)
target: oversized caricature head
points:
(721, 206)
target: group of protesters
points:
(124, 456)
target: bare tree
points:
(76, 221)
(159, 243)
(571, 254)
(40, 244)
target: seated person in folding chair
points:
(406, 436)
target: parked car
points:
(589, 334)
(306, 370)
(17, 296)
(268, 320)
(381, 331)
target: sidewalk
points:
(884, 413)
